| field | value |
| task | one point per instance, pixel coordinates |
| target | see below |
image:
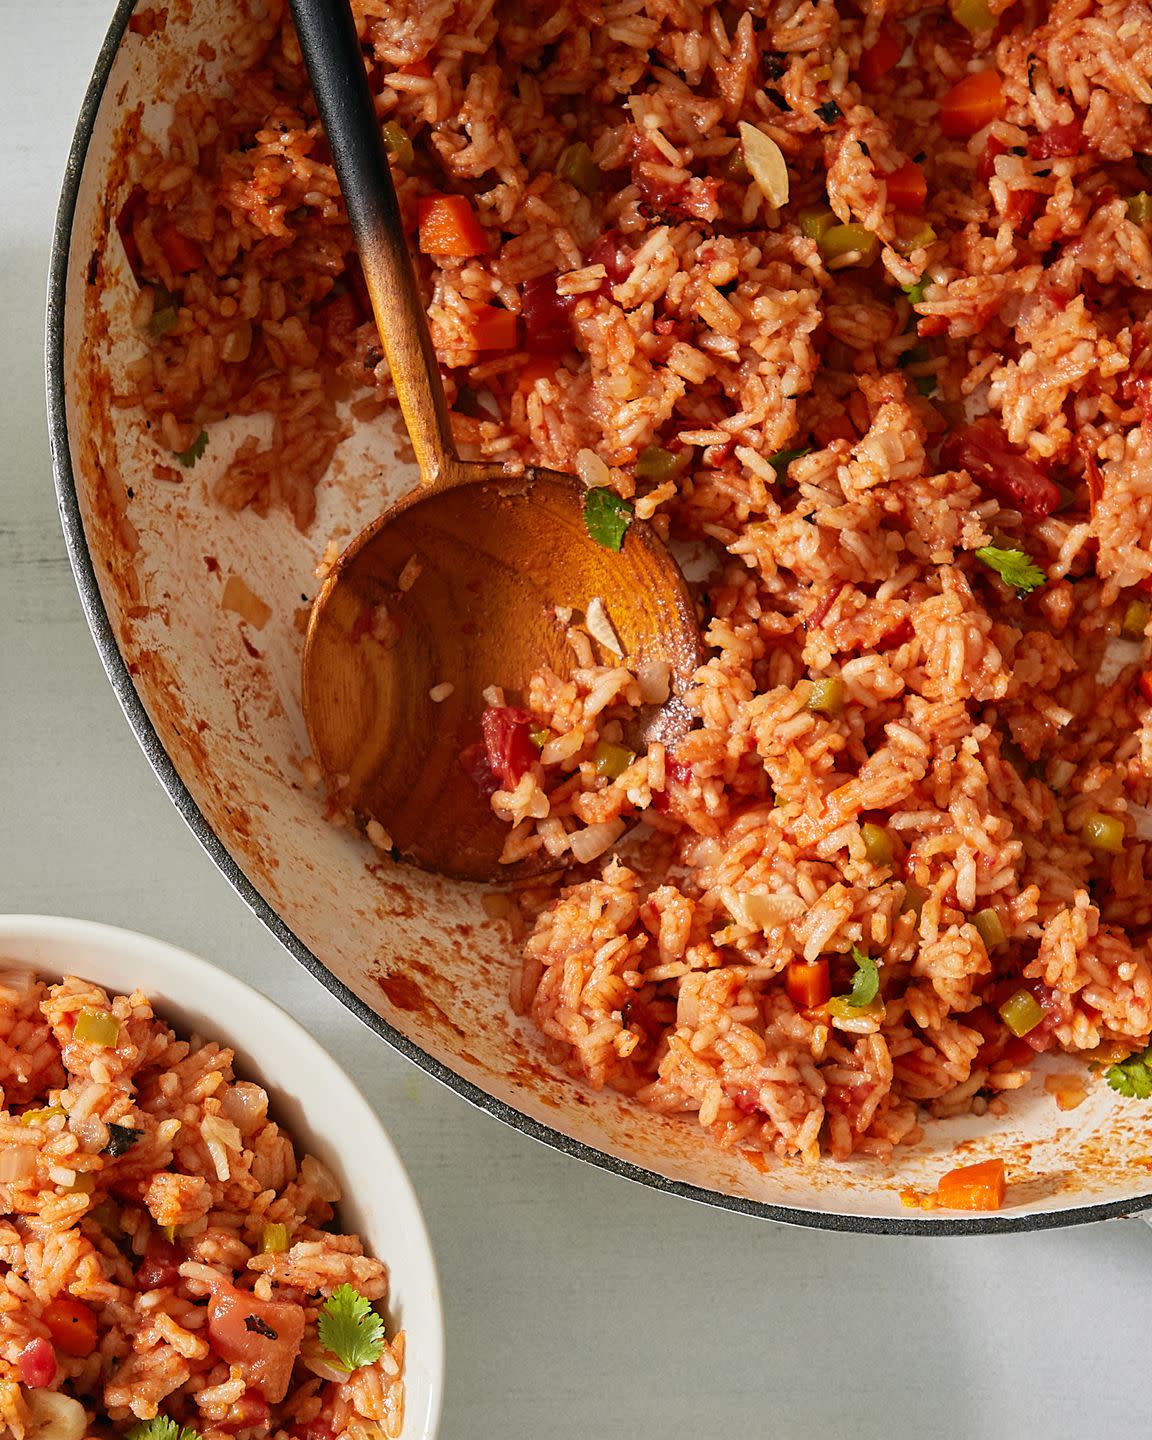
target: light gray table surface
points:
(577, 1304)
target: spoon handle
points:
(332, 55)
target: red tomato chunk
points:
(36, 1364)
(160, 1265)
(1059, 142)
(261, 1336)
(508, 747)
(983, 450)
(546, 316)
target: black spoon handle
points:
(331, 50)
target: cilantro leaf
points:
(188, 457)
(606, 517)
(1015, 567)
(866, 981)
(350, 1329)
(161, 1428)
(1132, 1077)
(783, 458)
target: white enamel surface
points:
(310, 1096)
(231, 724)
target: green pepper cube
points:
(1021, 1012)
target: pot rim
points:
(165, 771)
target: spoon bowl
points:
(459, 587)
(455, 590)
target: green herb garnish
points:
(350, 1329)
(161, 1428)
(915, 292)
(866, 981)
(1132, 1077)
(606, 517)
(188, 457)
(783, 458)
(1015, 567)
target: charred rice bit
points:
(917, 442)
(140, 1178)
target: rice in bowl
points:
(171, 1263)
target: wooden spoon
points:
(457, 587)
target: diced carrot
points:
(975, 102)
(541, 368)
(973, 1187)
(878, 59)
(72, 1325)
(492, 328)
(181, 253)
(448, 226)
(907, 187)
(808, 984)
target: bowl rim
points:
(916, 1223)
(64, 931)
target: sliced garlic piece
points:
(55, 1416)
(600, 626)
(766, 161)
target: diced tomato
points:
(986, 165)
(1059, 141)
(36, 1364)
(250, 1412)
(261, 1336)
(973, 1187)
(808, 983)
(899, 635)
(1057, 1010)
(975, 102)
(547, 316)
(160, 1265)
(1022, 206)
(474, 763)
(182, 254)
(907, 187)
(492, 328)
(676, 772)
(448, 226)
(882, 57)
(72, 1325)
(540, 369)
(1145, 685)
(417, 67)
(930, 325)
(130, 212)
(984, 451)
(611, 252)
(507, 744)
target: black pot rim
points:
(165, 770)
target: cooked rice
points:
(133, 1239)
(981, 729)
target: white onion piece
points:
(17, 1162)
(592, 470)
(766, 161)
(758, 909)
(654, 678)
(55, 1416)
(593, 840)
(600, 626)
(1118, 655)
(246, 1105)
(1141, 820)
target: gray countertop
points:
(578, 1305)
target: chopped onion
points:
(1118, 655)
(55, 1416)
(593, 840)
(592, 470)
(246, 1105)
(766, 161)
(600, 626)
(758, 909)
(1141, 820)
(17, 1162)
(654, 677)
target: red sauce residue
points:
(148, 22)
(212, 563)
(402, 990)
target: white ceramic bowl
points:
(315, 1101)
